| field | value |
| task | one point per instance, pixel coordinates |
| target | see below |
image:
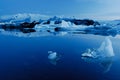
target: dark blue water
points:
(27, 58)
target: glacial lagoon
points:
(26, 58)
(58, 48)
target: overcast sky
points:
(94, 9)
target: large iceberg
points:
(103, 55)
(105, 50)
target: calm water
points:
(26, 58)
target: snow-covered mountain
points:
(23, 18)
(35, 23)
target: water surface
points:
(26, 58)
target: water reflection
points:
(103, 55)
(106, 63)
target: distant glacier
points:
(31, 25)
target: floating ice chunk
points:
(53, 57)
(105, 50)
(90, 54)
(103, 55)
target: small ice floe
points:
(103, 55)
(53, 57)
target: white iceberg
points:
(65, 24)
(53, 57)
(103, 55)
(106, 48)
(90, 53)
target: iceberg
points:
(106, 48)
(65, 24)
(36, 23)
(90, 54)
(53, 57)
(103, 55)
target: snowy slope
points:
(23, 18)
